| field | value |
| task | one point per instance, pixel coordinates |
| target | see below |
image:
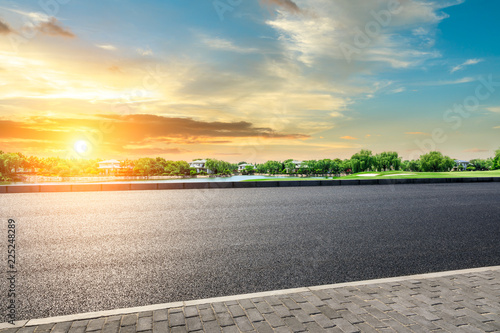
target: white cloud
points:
(226, 45)
(495, 109)
(465, 64)
(107, 47)
(451, 82)
(145, 52)
(36, 17)
(359, 31)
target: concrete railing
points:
(215, 185)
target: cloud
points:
(465, 64)
(417, 133)
(450, 82)
(288, 5)
(475, 150)
(5, 29)
(107, 47)
(331, 31)
(52, 28)
(347, 137)
(145, 52)
(495, 109)
(141, 133)
(226, 45)
(496, 127)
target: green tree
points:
(436, 162)
(362, 161)
(496, 160)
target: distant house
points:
(459, 163)
(243, 166)
(200, 166)
(110, 165)
(298, 165)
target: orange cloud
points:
(53, 28)
(4, 28)
(347, 137)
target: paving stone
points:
(301, 316)
(329, 312)
(282, 311)
(294, 324)
(244, 324)
(29, 329)
(263, 327)
(322, 320)
(45, 327)
(207, 314)
(254, 315)
(273, 320)
(146, 314)
(176, 319)
(128, 320)
(225, 319)
(62, 327)
(144, 324)
(111, 327)
(230, 329)
(309, 308)
(219, 307)
(160, 327)
(160, 315)
(179, 329)
(246, 304)
(365, 328)
(211, 326)
(95, 324)
(345, 326)
(191, 311)
(236, 310)
(272, 300)
(128, 329)
(78, 329)
(194, 324)
(263, 307)
(312, 326)
(290, 304)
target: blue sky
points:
(250, 80)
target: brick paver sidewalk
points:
(453, 302)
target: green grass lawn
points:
(399, 175)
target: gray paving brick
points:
(273, 320)
(230, 329)
(322, 320)
(78, 329)
(219, 307)
(191, 311)
(294, 324)
(236, 311)
(144, 324)
(301, 316)
(111, 327)
(263, 327)
(254, 315)
(290, 304)
(282, 311)
(309, 308)
(211, 326)
(194, 324)
(244, 324)
(95, 324)
(45, 327)
(176, 319)
(128, 329)
(365, 328)
(329, 312)
(314, 327)
(207, 314)
(160, 327)
(225, 319)
(246, 304)
(62, 327)
(272, 300)
(160, 315)
(263, 307)
(179, 329)
(345, 326)
(29, 329)
(128, 320)
(146, 314)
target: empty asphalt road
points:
(79, 252)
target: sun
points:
(81, 146)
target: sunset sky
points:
(249, 80)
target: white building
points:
(243, 166)
(459, 163)
(200, 166)
(110, 165)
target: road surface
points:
(80, 252)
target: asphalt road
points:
(80, 252)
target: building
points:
(109, 166)
(459, 163)
(298, 165)
(243, 166)
(200, 166)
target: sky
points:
(249, 80)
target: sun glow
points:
(81, 147)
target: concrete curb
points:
(221, 185)
(108, 313)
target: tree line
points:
(11, 164)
